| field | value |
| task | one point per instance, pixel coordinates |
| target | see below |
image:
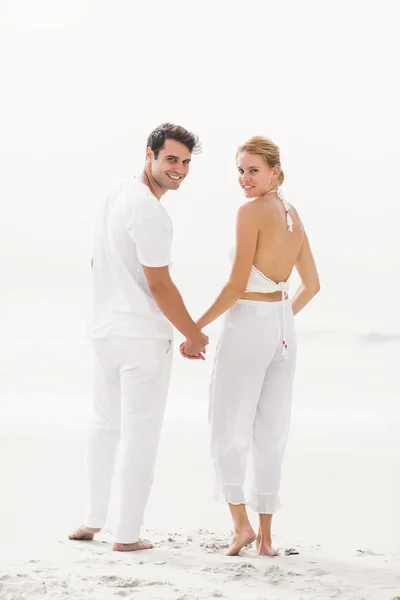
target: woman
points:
(251, 386)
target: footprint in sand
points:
(191, 595)
(130, 582)
(242, 571)
(235, 570)
(214, 545)
(247, 566)
(114, 581)
(273, 570)
(317, 572)
(274, 574)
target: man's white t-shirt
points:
(132, 229)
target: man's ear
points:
(149, 154)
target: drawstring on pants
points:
(284, 287)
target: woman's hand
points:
(183, 350)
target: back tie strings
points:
(285, 204)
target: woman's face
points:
(255, 176)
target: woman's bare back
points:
(277, 248)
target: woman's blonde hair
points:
(265, 148)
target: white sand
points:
(340, 493)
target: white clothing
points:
(258, 282)
(280, 195)
(132, 229)
(130, 393)
(250, 401)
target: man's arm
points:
(170, 302)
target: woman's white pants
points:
(250, 401)
(131, 379)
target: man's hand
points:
(194, 357)
(194, 349)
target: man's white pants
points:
(131, 381)
(250, 401)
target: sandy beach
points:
(340, 513)
(340, 486)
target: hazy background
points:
(82, 85)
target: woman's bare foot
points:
(139, 545)
(240, 539)
(264, 547)
(83, 533)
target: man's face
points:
(171, 166)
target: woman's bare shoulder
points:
(258, 209)
(249, 209)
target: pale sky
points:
(83, 83)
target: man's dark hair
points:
(169, 131)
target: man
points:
(134, 303)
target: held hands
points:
(194, 349)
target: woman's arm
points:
(246, 243)
(305, 266)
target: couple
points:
(135, 304)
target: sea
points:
(348, 348)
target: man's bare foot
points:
(264, 547)
(240, 539)
(83, 533)
(139, 545)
